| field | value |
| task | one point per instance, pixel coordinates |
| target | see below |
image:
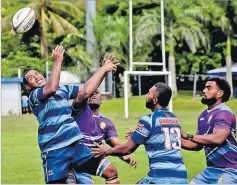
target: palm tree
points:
(216, 14)
(179, 27)
(112, 35)
(228, 31)
(226, 23)
(52, 15)
(76, 48)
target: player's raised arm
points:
(53, 82)
(110, 63)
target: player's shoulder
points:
(69, 87)
(147, 119)
(63, 88)
(203, 114)
(33, 91)
(163, 113)
(221, 108)
(148, 116)
(78, 110)
(106, 120)
(222, 111)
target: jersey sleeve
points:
(78, 111)
(72, 90)
(36, 96)
(110, 130)
(143, 130)
(224, 120)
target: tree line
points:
(200, 35)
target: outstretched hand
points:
(130, 160)
(57, 53)
(101, 150)
(110, 63)
(129, 133)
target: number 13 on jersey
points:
(172, 137)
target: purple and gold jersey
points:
(94, 128)
(224, 156)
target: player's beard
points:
(94, 106)
(149, 105)
(208, 101)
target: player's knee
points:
(111, 175)
(110, 171)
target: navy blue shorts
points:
(211, 175)
(56, 163)
(160, 180)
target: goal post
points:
(144, 73)
(153, 63)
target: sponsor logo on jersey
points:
(102, 125)
(140, 126)
(50, 172)
(168, 120)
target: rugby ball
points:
(23, 20)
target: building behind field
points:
(12, 91)
(222, 72)
(11, 96)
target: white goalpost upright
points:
(145, 73)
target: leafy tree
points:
(58, 22)
(222, 14)
(52, 16)
(112, 35)
(179, 28)
(16, 54)
(226, 24)
(76, 49)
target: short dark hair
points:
(24, 75)
(224, 85)
(164, 94)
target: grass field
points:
(21, 163)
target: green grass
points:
(21, 163)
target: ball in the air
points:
(23, 20)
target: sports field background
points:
(21, 163)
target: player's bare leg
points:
(99, 167)
(111, 175)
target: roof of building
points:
(12, 80)
(222, 70)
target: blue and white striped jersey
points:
(57, 128)
(160, 132)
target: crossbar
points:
(148, 63)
